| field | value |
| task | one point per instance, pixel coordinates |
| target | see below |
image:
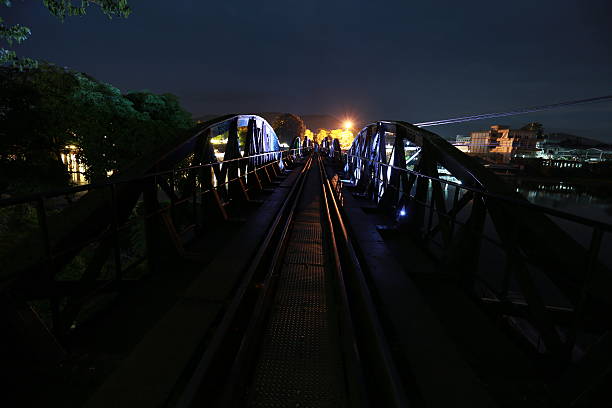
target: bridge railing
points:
(142, 218)
(595, 224)
(480, 234)
(35, 197)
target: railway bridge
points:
(223, 270)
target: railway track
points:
(301, 329)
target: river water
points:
(574, 200)
(566, 197)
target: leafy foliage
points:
(165, 107)
(113, 130)
(321, 134)
(34, 105)
(60, 8)
(289, 126)
(63, 8)
(47, 108)
(344, 136)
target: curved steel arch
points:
(260, 138)
(398, 165)
(301, 145)
(189, 171)
(373, 141)
(331, 147)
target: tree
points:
(344, 136)
(165, 108)
(60, 8)
(34, 106)
(47, 108)
(114, 129)
(289, 126)
(321, 135)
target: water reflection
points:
(569, 198)
(573, 199)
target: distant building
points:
(501, 144)
(462, 143)
(74, 165)
(563, 146)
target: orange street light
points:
(348, 124)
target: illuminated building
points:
(501, 144)
(75, 167)
(462, 143)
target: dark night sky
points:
(408, 60)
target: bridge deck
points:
(148, 375)
(300, 362)
(286, 339)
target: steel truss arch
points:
(410, 173)
(183, 185)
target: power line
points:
(519, 111)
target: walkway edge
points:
(443, 377)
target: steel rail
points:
(244, 356)
(241, 355)
(353, 368)
(377, 346)
(208, 359)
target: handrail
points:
(526, 204)
(207, 360)
(5, 202)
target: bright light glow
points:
(348, 124)
(344, 136)
(402, 212)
